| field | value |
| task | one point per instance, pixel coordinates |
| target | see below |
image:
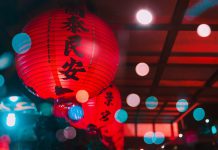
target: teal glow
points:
(182, 105)
(213, 130)
(46, 109)
(6, 60)
(149, 138)
(2, 80)
(158, 138)
(21, 43)
(199, 114)
(121, 116)
(151, 102)
(13, 98)
(75, 113)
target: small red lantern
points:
(99, 111)
(71, 50)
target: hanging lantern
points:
(100, 110)
(71, 50)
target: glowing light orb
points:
(204, 30)
(69, 132)
(162, 147)
(82, 96)
(6, 60)
(199, 114)
(151, 102)
(2, 80)
(13, 98)
(121, 116)
(75, 113)
(158, 138)
(213, 130)
(46, 109)
(144, 17)
(182, 105)
(11, 120)
(133, 100)
(60, 135)
(180, 135)
(149, 138)
(207, 120)
(21, 43)
(142, 69)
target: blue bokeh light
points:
(199, 114)
(21, 43)
(182, 105)
(149, 138)
(158, 138)
(213, 129)
(6, 60)
(121, 116)
(11, 120)
(75, 113)
(2, 80)
(151, 102)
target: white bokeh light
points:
(180, 135)
(204, 30)
(207, 120)
(144, 17)
(133, 100)
(142, 69)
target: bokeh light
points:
(133, 100)
(121, 116)
(21, 43)
(142, 69)
(69, 132)
(46, 109)
(158, 138)
(207, 120)
(199, 114)
(180, 135)
(151, 102)
(182, 105)
(163, 146)
(204, 30)
(13, 98)
(60, 135)
(11, 120)
(82, 96)
(144, 17)
(2, 80)
(75, 113)
(213, 129)
(6, 60)
(149, 137)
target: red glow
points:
(181, 83)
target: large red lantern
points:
(100, 110)
(71, 50)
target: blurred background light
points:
(82, 96)
(133, 100)
(144, 17)
(69, 132)
(180, 135)
(151, 102)
(182, 105)
(75, 113)
(213, 129)
(158, 138)
(121, 116)
(207, 120)
(13, 98)
(6, 60)
(21, 43)
(162, 146)
(60, 135)
(142, 69)
(199, 114)
(203, 30)
(11, 120)
(2, 80)
(149, 138)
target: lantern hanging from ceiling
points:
(71, 50)
(100, 110)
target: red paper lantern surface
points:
(100, 110)
(71, 50)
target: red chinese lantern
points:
(99, 110)
(71, 50)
